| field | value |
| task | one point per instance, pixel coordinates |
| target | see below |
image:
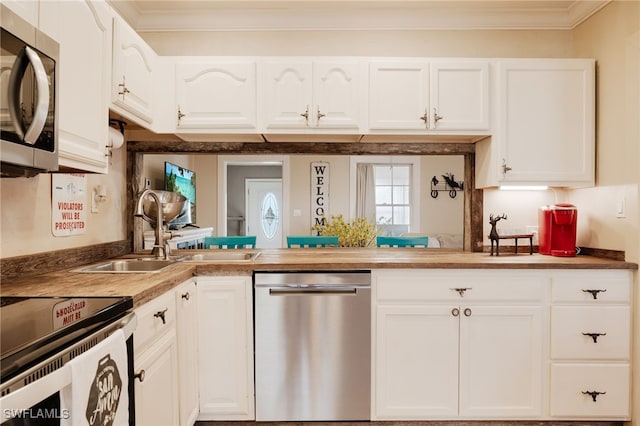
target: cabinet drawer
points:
(150, 320)
(609, 327)
(592, 287)
(569, 381)
(457, 286)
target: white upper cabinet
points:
(216, 94)
(83, 29)
(311, 95)
(429, 96)
(398, 95)
(545, 132)
(459, 95)
(134, 63)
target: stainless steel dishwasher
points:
(313, 346)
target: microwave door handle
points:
(42, 105)
(13, 93)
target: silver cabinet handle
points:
(455, 312)
(123, 88)
(185, 296)
(306, 115)
(505, 168)
(425, 118)
(436, 116)
(467, 312)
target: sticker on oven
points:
(69, 311)
(104, 395)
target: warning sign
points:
(69, 204)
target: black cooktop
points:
(33, 328)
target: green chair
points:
(305, 241)
(233, 242)
(383, 241)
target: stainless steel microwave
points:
(28, 101)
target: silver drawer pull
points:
(593, 394)
(161, 315)
(594, 336)
(594, 293)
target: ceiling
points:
(264, 15)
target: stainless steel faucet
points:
(161, 246)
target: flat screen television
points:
(181, 180)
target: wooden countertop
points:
(146, 286)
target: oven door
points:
(36, 399)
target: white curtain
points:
(365, 192)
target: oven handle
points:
(29, 395)
(26, 56)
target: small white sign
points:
(69, 204)
(70, 311)
(319, 193)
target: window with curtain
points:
(392, 198)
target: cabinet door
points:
(399, 95)
(156, 391)
(501, 365)
(547, 121)
(459, 95)
(84, 33)
(416, 362)
(225, 355)
(216, 95)
(133, 66)
(187, 338)
(336, 95)
(287, 95)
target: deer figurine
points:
(493, 235)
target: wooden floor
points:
(413, 423)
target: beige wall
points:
(612, 36)
(364, 43)
(25, 210)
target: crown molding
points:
(159, 16)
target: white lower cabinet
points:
(590, 345)
(187, 338)
(225, 355)
(156, 363)
(458, 344)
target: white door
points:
(263, 211)
(416, 371)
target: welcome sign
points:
(319, 192)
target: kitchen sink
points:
(222, 256)
(124, 266)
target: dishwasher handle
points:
(313, 290)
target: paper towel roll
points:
(116, 139)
